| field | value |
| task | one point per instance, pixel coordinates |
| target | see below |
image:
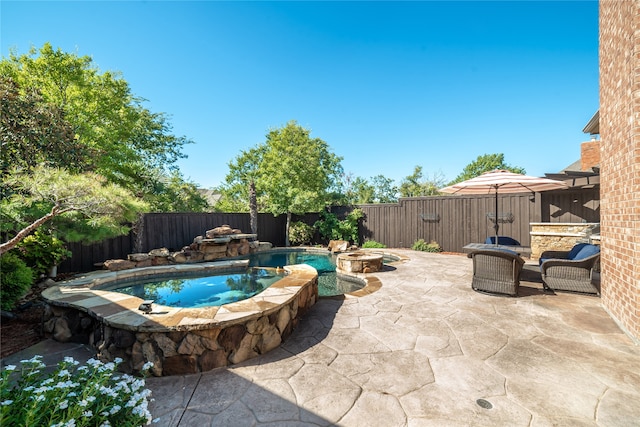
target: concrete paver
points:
(422, 351)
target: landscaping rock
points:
(118, 264)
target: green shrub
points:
(15, 279)
(373, 244)
(331, 228)
(421, 245)
(41, 251)
(300, 233)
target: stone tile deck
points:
(421, 351)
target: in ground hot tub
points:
(359, 262)
(177, 340)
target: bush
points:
(331, 228)
(421, 245)
(88, 395)
(15, 279)
(41, 251)
(373, 244)
(300, 233)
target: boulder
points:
(160, 252)
(118, 264)
(338, 245)
(138, 257)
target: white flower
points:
(64, 404)
(63, 373)
(34, 359)
(39, 398)
(147, 365)
(87, 414)
(91, 399)
(71, 360)
(10, 367)
(115, 409)
(93, 362)
(70, 423)
(83, 403)
(117, 360)
(29, 388)
(72, 394)
(105, 424)
(6, 402)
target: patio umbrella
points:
(503, 181)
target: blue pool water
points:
(202, 291)
(329, 284)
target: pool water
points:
(329, 283)
(193, 291)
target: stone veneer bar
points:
(177, 340)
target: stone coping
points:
(89, 293)
(556, 233)
(121, 311)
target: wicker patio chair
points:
(570, 270)
(496, 271)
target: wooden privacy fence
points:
(452, 221)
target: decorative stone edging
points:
(177, 340)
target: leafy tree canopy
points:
(61, 106)
(290, 173)
(378, 189)
(52, 194)
(485, 163)
(415, 185)
(297, 173)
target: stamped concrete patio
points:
(426, 350)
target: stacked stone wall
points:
(556, 236)
(620, 161)
(179, 352)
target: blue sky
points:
(388, 85)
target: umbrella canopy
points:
(503, 181)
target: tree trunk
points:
(286, 231)
(253, 208)
(8, 245)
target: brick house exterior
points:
(620, 161)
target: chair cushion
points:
(574, 250)
(586, 251)
(502, 240)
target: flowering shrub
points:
(72, 396)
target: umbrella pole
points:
(496, 226)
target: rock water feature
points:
(219, 242)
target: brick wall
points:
(620, 161)
(589, 155)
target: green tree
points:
(50, 193)
(127, 143)
(297, 173)
(34, 132)
(240, 189)
(385, 191)
(289, 173)
(378, 189)
(415, 185)
(485, 163)
(357, 191)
